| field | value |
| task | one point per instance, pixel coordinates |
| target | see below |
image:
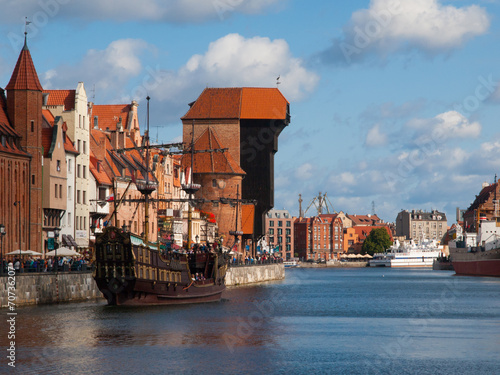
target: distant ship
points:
(408, 255)
(129, 272)
(477, 254)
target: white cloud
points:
(393, 25)
(375, 137)
(447, 125)
(109, 69)
(304, 172)
(175, 11)
(235, 61)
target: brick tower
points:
(248, 122)
(24, 108)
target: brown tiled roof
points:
(7, 130)
(364, 219)
(62, 97)
(211, 162)
(24, 76)
(483, 196)
(101, 176)
(69, 146)
(263, 103)
(109, 115)
(48, 116)
(47, 134)
(239, 103)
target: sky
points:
(394, 103)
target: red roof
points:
(211, 162)
(364, 220)
(109, 115)
(7, 130)
(48, 116)
(239, 103)
(98, 172)
(24, 76)
(61, 97)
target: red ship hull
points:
(478, 268)
(475, 263)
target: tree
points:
(377, 241)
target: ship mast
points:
(146, 187)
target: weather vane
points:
(26, 23)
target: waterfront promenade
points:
(33, 286)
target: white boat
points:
(290, 263)
(408, 255)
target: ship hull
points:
(479, 263)
(131, 273)
(143, 292)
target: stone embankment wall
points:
(255, 274)
(40, 288)
(49, 288)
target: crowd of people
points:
(259, 259)
(51, 264)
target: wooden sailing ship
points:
(129, 270)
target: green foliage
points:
(377, 241)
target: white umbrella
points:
(21, 252)
(34, 253)
(63, 252)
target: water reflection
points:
(351, 321)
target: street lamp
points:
(2, 233)
(56, 237)
(197, 238)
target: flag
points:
(110, 198)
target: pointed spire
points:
(24, 76)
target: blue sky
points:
(394, 102)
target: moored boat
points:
(130, 272)
(408, 255)
(477, 254)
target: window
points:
(55, 190)
(271, 231)
(69, 165)
(78, 149)
(79, 125)
(271, 223)
(78, 196)
(102, 194)
(69, 220)
(77, 226)
(33, 179)
(78, 170)
(84, 147)
(280, 231)
(84, 197)
(288, 223)
(69, 193)
(288, 232)
(84, 171)
(58, 165)
(60, 191)
(32, 126)
(280, 223)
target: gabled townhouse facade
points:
(54, 174)
(72, 106)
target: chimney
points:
(114, 139)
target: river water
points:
(317, 321)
